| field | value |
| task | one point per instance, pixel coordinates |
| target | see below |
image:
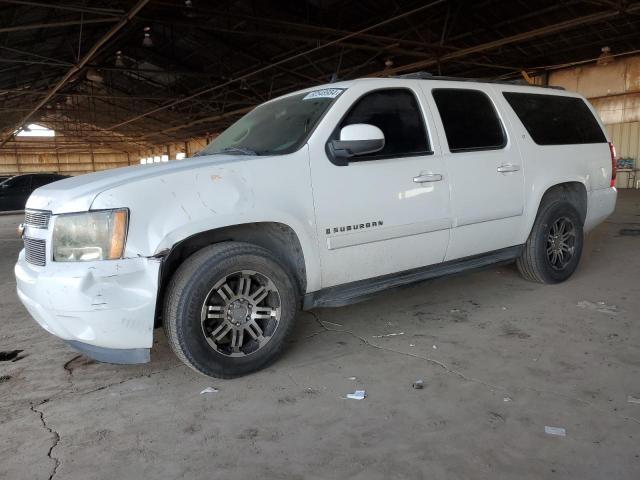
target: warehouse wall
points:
(47, 160)
(188, 147)
(34, 154)
(626, 138)
(613, 89)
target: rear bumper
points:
(600, 204)
(104, 309)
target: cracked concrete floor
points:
(500, 358)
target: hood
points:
(76, 194)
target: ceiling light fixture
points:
(119, 62)
(146, 41)
(188, 4)
(605, 57)
(94, 76)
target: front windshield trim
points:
(301, 143)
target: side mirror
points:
(356, 139)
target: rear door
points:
(486, 172)
(384, 212)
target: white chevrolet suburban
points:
(319, 198)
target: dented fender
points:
(170, 207)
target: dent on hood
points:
(59, 204)
(179, 202)
(76, 194)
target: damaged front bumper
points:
(104, 309)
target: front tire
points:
(229, 308)
(554, 247)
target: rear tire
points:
(229, 308)
(554, 247)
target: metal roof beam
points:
(76, 68)
(70, 8)
(278, 63)
(38, 26)
(520, 37)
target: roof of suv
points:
(425, 76)
(428, 77)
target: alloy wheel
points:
(241, 313)
(561, 242)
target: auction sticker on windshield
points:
(324, 93)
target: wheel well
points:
(278, 238)
(573, 192)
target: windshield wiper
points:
(242, 150)
(231, 150)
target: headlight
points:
(84, 237)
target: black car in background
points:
(15, 191)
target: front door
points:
(383, 212)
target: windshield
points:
(277, 127)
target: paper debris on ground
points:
(357, 395)
(418, 384)
(557, 431)
(435, 347)
(632, 399)
(352, 378)
(209, 390)
(601, 307)
(388, 335)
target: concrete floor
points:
(501, 359)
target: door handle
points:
(427, 177)
(508, 167)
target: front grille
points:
(37, 218)
(35, 251)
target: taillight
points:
(612, 149)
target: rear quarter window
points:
(555, 120)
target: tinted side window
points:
(470, 120)
(397, 114)
(555, 120)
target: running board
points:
(348, 293)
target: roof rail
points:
(430, 76)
